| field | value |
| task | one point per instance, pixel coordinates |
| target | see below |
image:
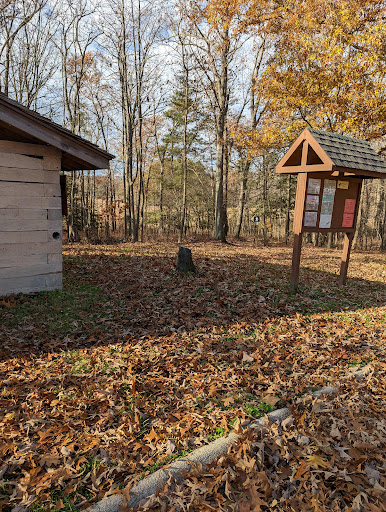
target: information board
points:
(330, 203)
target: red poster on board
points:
(348, 220)
(349, 206)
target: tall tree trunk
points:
(184, 184)
(381, 214)
(184, 152)
(243, 189)
(219, 193)
(226, 176)
(161, 195)
(265, 203)
(221, 117)
(73, 235)
(254, 118)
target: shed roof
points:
(319, 151)
(349, 152)
(18, 123)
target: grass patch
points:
(258, 410)
(361, 363)
(58, 312)
(220, 432)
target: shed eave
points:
(79, 153)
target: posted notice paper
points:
(327, 207)
(313, 186)
(348, 220)
(343, 184)
(349, 206)
(329, 191)
(325, 221)
(312, 203)
(310, 219)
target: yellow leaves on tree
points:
(221, 11)
(241, 13)
(249, 143)
(327, 68)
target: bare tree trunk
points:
(73, 235)
(363, 213)
(14, 17)
(255, 116)
(243, 189)
(161, 195)
(265, 190)
(214, 61)
(226, 177)
(184, 161)
(75, 47)
(381, 214)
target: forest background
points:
(199, 100)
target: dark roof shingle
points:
(350, 153)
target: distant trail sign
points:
(256, 219)
(331, 169)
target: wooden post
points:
(297, 251)
(348, 238)
(298, 224)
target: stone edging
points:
(203, 455)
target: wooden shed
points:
(33, 152)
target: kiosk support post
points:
(348, 238)
(298, 223)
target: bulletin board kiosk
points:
(330, 169)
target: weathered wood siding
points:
(30, 218)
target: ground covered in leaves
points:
(133, 365)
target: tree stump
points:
(184, 261)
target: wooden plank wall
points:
(30, 218)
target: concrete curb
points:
(203, 455)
